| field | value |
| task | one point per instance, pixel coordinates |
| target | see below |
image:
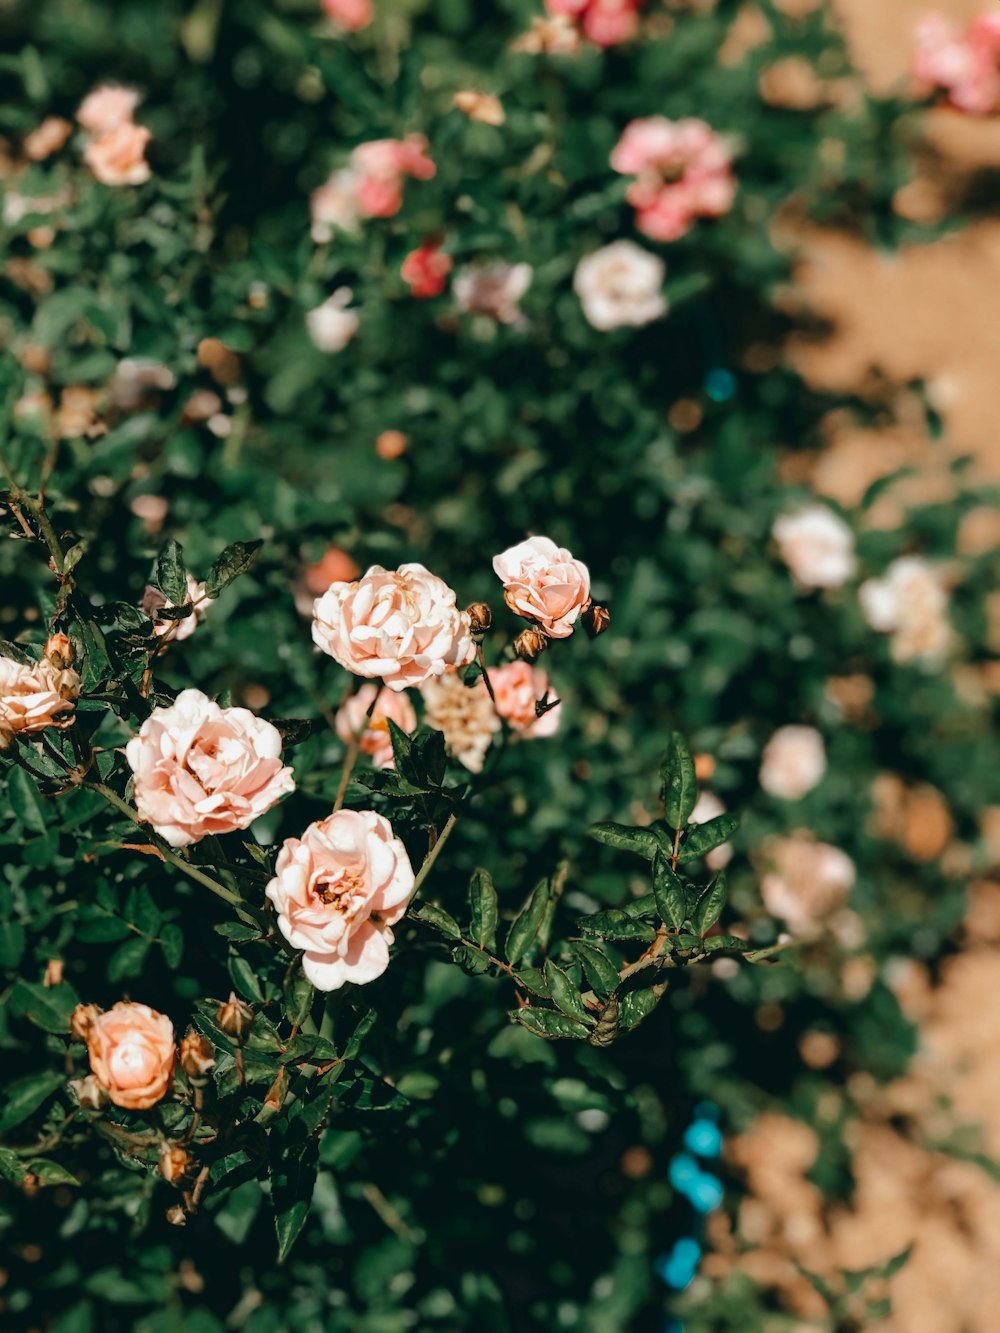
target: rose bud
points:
(235, 1018)
(59, 651)
(596, 620)
(30, 1184)
(197, 1057)
(176, 1215)
(176, 1164)
(7, 739)
(82, 1020)
(480, 617)
(530, 643)
(88, 1092)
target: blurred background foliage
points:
(525, 1184)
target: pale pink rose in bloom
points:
(382, 165)
(516, 688)
(334, 206)
(35, 697)
(132, 1054)
(117, 158)
(107, 107)
(350, 14)
(372, 733)
(804, 881)
(963, 65)
(331, 325)
(466, 716)
(177, 630)
(683, 172)
(708, 806)
(911, 604)
(401, 625)
(816, 545)
(338, 890)
(494, 290)
(202, 769)
(620, 284)
(543, 583)
(793, 762)
(609, 22)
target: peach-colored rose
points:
(543, 583)
(816, 545)
(372, 733)
(804, 881)
(177, 630)
(353, 15)
(132, 1054)
(401, 625)
(202, 769)
(910, 603)
(793, 761)
(333, 566)
(516, 689)
(35, 697)
(47, 138)
(117, 158)
(338, 890)
(466, 716)
(107, 107)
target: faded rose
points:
(202, 769)
(804, 881)
(118, 157)
(132, 1055)
(620, 284)
(911, 604)
(401, 625)
(543, 583)
(372, 732)
(35, 697)
(494, 290)
(465, 715)
(816, 545)
(331, 325)
(793, 762)
(517, 687)
(381, 167)
(338, 890)
(107, 107)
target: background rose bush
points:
(160, 333)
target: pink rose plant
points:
(683, 172)
(118, 157)
(543, 583)
(964, 65)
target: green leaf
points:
(598, 967)
(616, 924)
(710, 905)
(128, 960)
(702, 838)
(355, 1041)
(547, 1023)
(524, 928)
(439, 919)
(48, 1007)
(761, 955)
(565, 994)
(402, 751)
(237, 931)
(244, 979)
(26, 1095)
(484, 910)
(16, 653)
(716, 942)
(172, 944)
(637, 1005)
(171, 573)
(293, 1177)
(642, 841)
(51, 1173)
(669, 892)
(679, 787)
(11, 1166)
(12, 940)
(235, 560)
(299, 996)
(24, 799)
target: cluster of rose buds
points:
(965, 65)
(603, 22)
(682, 171)
(116, 147)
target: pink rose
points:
(177, 630)
(35, 697)
(426, 271)
(516, 689)
(372, 733)
(494, 290)
(793, 762)
(804, 881)
(543, 583)
(350, 14)
(202, 769)
(381, 165)
(816, 545)
(401, 625)
(116, 158)
(963, 65)
(609, 22)
(338, 890)
(683, 172)
(107, 107)
(334, 206)
(132, 1054)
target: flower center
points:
(339, 892)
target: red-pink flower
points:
(517, 687)
(683, 172)
(426, 270)
(381, 167)
(350, 14)
(604, 22)
(964, 65)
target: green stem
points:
(433, 854)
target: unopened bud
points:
(88, 1092)
(59, 651)
(176, 1215)
(235, 1018)
(197, 1057)
(53, 972)
(30, 1184)
(82, 1020)
(7, 739)
(530, 643)
(176, 1164)
(596, 619)
(480, 617)
(275, 1095)
(67, 684)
